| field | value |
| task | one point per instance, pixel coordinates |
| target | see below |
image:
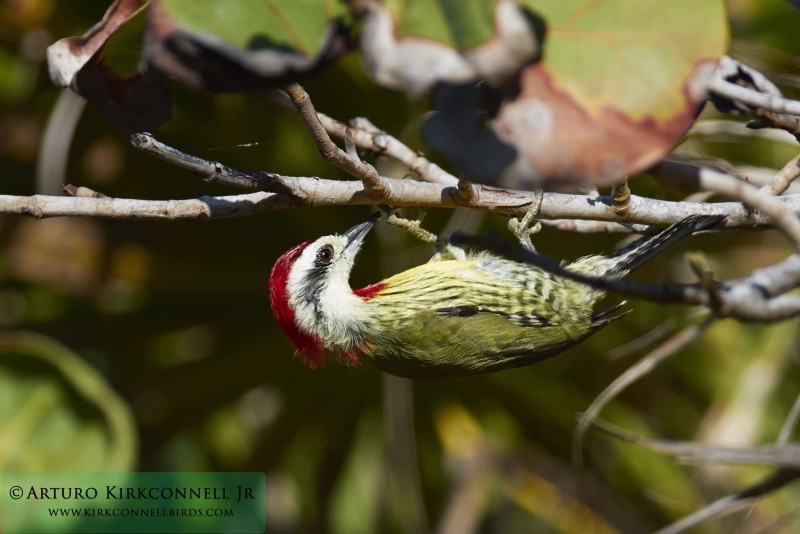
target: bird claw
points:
(412, 226)
(523, 228)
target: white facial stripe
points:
(321, 298)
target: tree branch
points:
(740, 84)
(787, 455)
(212, 172)
(783, 178)
(368, 137)
(350, 163)
(205, 207)
(316, 192)
(729, 186)
(282, 192)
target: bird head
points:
(312, 300)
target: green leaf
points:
(637, 57)
(243, 45)
(296, 25)
(460, 24)
(57, 413)
(619, 83)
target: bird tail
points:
(640, 251)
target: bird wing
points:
(436, 344)
(459, 317)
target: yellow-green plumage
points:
(523, 315)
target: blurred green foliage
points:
(174, 316)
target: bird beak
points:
(357, 233)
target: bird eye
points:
(325, 255)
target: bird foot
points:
(412, 226)
(523, 228)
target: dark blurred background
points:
(172, 321)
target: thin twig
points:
(697, 453)
(211, 171)
(648, 338)
(730, 186)
(365, 172)
(727, 185)
(670, 171)
(765, 119)
(367, 136)
(731, 503)
(760, 296)
(631, 375)
(789, 424)
(738, 129)
(783, 178)
(753, 98)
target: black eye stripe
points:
(316, 277)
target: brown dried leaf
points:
(67, 56)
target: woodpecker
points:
(462, 313)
